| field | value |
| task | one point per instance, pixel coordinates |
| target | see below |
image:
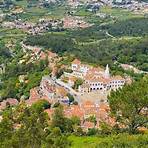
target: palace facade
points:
(95, 78)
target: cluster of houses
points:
(131, 5)
(8, 102)
(93, 79)
(18, 24)
(74, 3)
(42, 26)
(45, 25)
(6, 4)
(94, 5)
(86, 110)
(49, 91)
(54, 90)
(48, 3)
(74, 22)
(90, 5)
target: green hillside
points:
(116, 141)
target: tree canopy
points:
(130, 105)
(28, 127)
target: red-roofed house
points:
(87, 125)
(10, 101)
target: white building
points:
(79, 70)
(95, 78)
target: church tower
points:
(106, 73)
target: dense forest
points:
(11, 86)
(92, 33)
(131, 27)
(134, 51)
(100, 44)
(5, 53)
(59, 43)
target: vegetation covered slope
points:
(116, 141)
(31, 126)
(130, 27)
(129, 105)
(134, 51)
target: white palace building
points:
(95, 78)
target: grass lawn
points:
(7, 34)
(5, 31)
(84, 142)
(35, 13)
(82, 12)
(57, 33)
(58, 12)
(22, 3)
(116, 141)
(121, 14)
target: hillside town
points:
(89, 97)
(73, 73)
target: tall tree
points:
(60, 121)
(130, 105)
(23, 127)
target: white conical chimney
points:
(107, 74)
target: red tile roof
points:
(88, 104)
(42, 55)
(74, 110)
(51, 54)
(49, 112)
(76, 61)
(87, 125)
(11, 101)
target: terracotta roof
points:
(93, 78)
(88, 125)
(142, 129)
(76, 61)
(42, 55)
(36, 50)
(104, 106)
(88, 104)
(49, 112)
(74, 110)
(34, 96)
(48, 86)
(11, 101)
(90, 111)
(117, 77)
(96, 69)
(51, 54)
(54, 71)
(89, 76)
